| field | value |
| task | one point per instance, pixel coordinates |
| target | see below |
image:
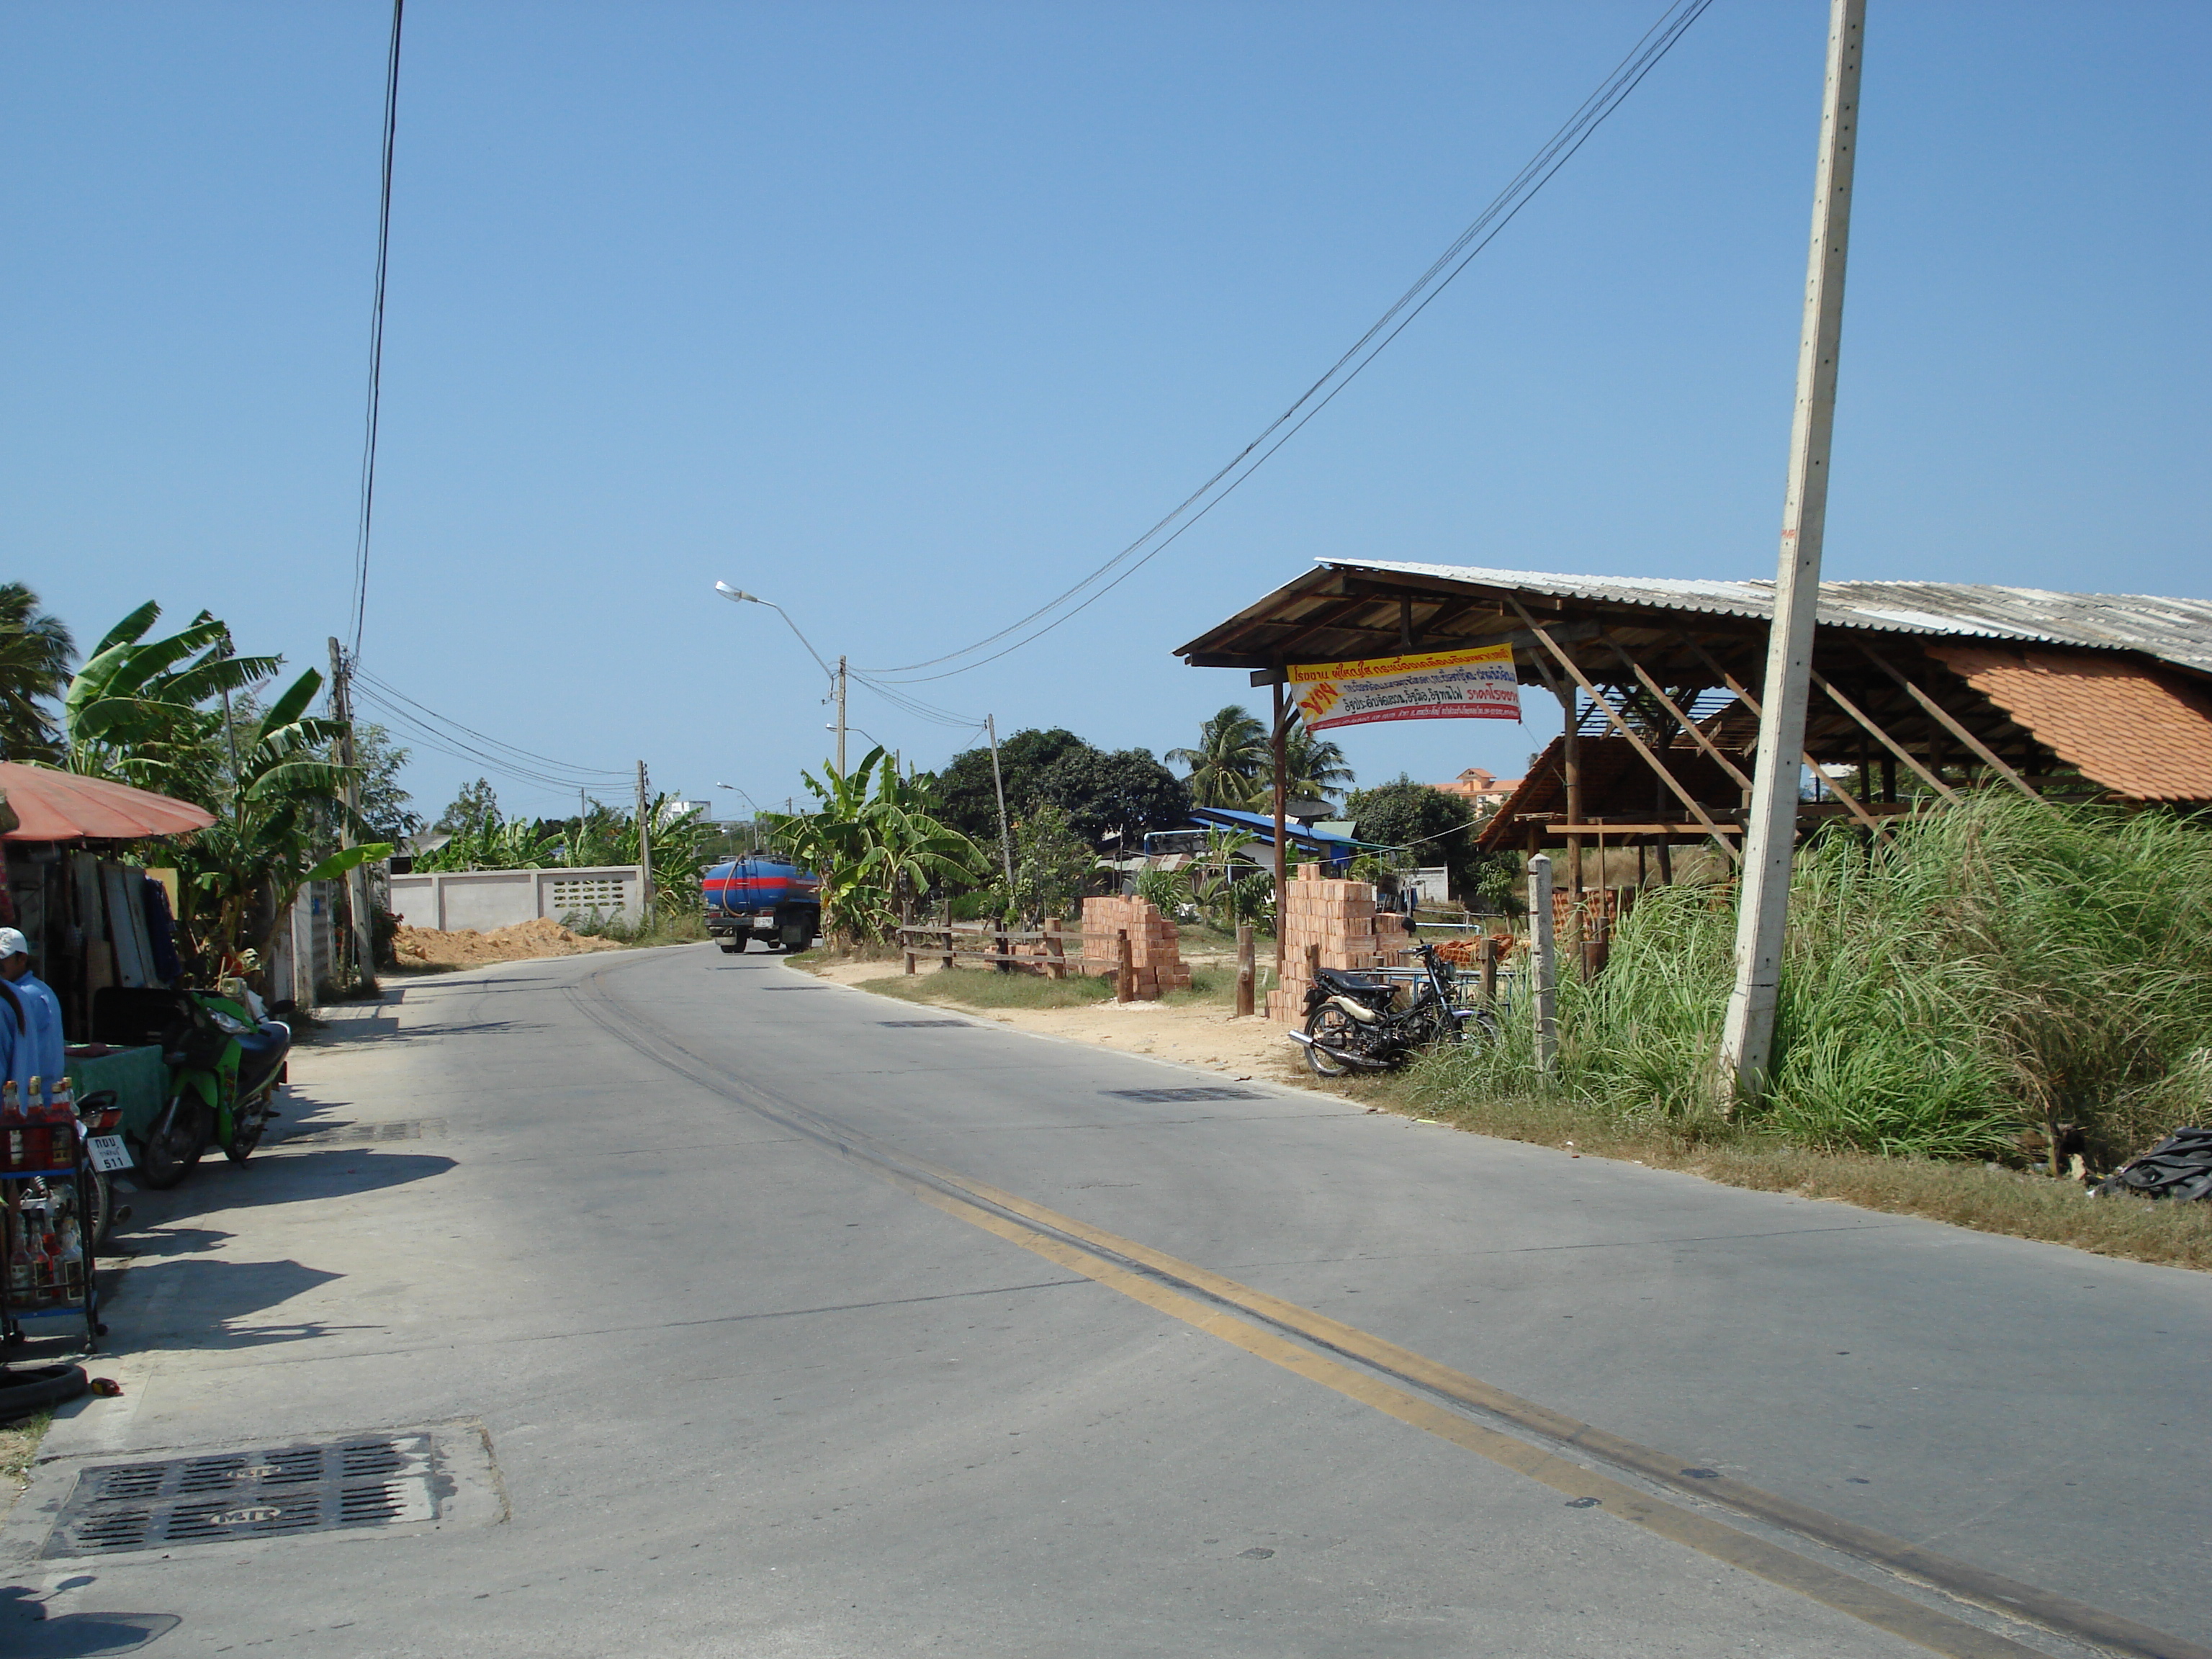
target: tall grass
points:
(1996, 966)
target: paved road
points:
(795, 1330)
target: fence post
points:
(1489, 971)
(1125, 979)
(906, 939)
(1543, 963)
(1313, 964)
(1003, 943)
(1245, 968)
(948, 944)
(1057, 957)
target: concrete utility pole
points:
(644, 848)
(998, 783)
(1762, 915)
(840, 717)
(364, 939)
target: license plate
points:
(108, 1152)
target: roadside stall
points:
(93, 921)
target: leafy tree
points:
(966, 798)
(876, 844)
(386, 809)
(1114, 797)
(1053, 863)
(474, 809)
(1233, 765)
(1124, 792)
(1430, 826)
(35, 652)
(684, 845)
(491, 844)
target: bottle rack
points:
(43, 1170)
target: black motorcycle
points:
(1355, 1022)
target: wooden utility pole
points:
(1543, 964)
(1281, 742)
(999, 785)
(364, 938)
(644, 848)
(1762, 914)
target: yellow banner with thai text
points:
(1477, 684)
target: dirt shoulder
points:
(465, 947)
(1196, 1033)
(1983, 1198)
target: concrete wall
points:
(485, 899)
(301, 955)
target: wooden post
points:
(1003, 943)
(1125, 976)
(1246, 970)
(906, 938)
(1055, 955)
(1489, 971)
(1543, 964)
(1313, 963)
(1282, 846)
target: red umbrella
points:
(52, 806)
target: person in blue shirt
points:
(38, 1046)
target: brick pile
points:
(1155, 958)
(1341, 918)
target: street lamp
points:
(739, 596)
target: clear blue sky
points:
(903, 315)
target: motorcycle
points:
(99, 1114)
(225, 1063)
(1354, 1023)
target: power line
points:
(1534, 175)
(362, 677)
(376, 333)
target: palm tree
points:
(35, 650)
(1313, 766)
(1231, 764)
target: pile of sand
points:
(426, 947)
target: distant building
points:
(1479, 788)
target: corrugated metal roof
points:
(2177, 631)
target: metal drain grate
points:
(362, 1482)
(925, 1024)
(1178, 1096)
(362, 1134)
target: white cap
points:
(13, 944)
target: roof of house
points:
(2142, 735)
(2176, 630)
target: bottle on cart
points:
(11, 1103)
(61, 1104)
(69, 1260)
(26, 1263)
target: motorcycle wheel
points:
(1332, 1025)
(246, 1133)
(169, 1156)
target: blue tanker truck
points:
(764, 898)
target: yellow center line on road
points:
(1884, 1609)
(1090, 1251)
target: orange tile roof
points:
(2142, 734)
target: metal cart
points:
(43, 1171)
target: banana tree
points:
(875, 845)
(238, 879)
(143, 711)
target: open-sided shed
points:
(1918, 689)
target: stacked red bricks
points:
(1155, 961)
(1339, 917)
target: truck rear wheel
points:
(733, 943)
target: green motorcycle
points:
(225, 1064)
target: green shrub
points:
(1994, 966)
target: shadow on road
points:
(26, 1632)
